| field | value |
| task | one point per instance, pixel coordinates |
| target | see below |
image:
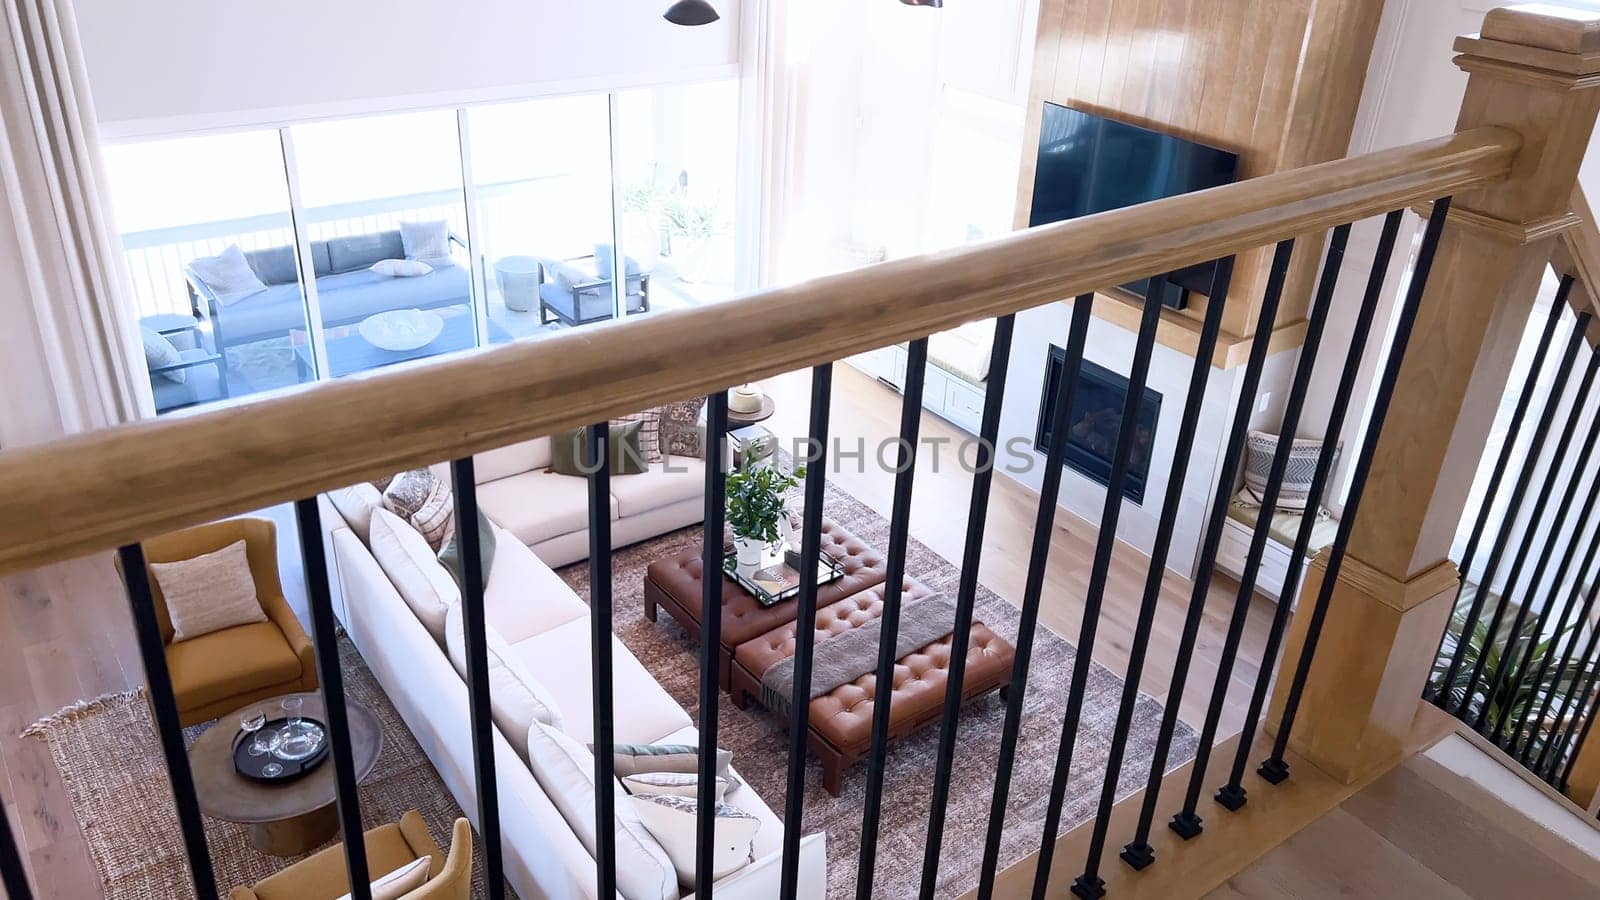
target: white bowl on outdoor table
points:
(401, 329)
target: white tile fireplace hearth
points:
(1111, 347)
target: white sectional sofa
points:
(550, 512)
(546, 628)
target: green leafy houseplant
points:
(755, 501)
(1509, 700)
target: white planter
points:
(750, 554)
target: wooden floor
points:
(65, 633)
(1419, 832)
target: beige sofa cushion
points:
(524, 597)
(559, 659)
(537, 506)
(356, 503)
(514, 459)
(516, 699)
(565, 769)
(410, 564)
(669, 481)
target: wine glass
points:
(251, 723)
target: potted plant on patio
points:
(755, 505)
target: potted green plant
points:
(755, 506)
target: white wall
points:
(217, 63)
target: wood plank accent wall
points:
(1277, 81)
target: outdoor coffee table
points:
(349, 352)
(293, 817)
(674, 584)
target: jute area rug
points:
(760, 746)
(124, 805)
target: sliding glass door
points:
(322, 249)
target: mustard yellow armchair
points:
(217, 673)
(322, 875)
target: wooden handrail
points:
(117, 485)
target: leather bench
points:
(674, 584)
(840, 722)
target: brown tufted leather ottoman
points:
(673, 584)
(841, 720)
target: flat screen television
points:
(1089, 164)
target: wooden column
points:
(1534, 69)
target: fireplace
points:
(1094, 419)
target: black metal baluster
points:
(1569, 646)
(1234, 790)
(1275, 769)
(1486, 510)
(1557, 532)
(889, 633)
(153, 653)
(1519, 491)
(325, 643)
(1558, 466)
(966, 598)
(1564, 729)
(13, 877)
(710, 638)
(1187, 822)
(598, 445)
(1198, 377)
(805, 628)
(474, 625)
(1138, 852)
(1027, 623)
(1110, 513)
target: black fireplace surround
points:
(1094, 419)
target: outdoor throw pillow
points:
(671, 821)
(210, 592)
(569, 451)
(427, 241)
(401, 268)
(158, 352)
(228, 275)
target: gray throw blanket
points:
(845, 657)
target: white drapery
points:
(73, 360)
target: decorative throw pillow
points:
(427, 241)
(401, 881)
(228, 275)
(569, 451)
(636, 759)
(401, 268)
(424, 585)
(602, 262)
(565, 770)
(450, 553)
(435, 520)
(671, 784)
(649, 431)
(210, 592)
(567, 276)
(158, 352)
(681, 431)
(672, 821)
(1295, 493)
(516, 699)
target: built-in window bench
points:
(1238, 529)
(958, 367)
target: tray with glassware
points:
(279, 749)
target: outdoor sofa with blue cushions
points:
(347, 290)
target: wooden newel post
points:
(1534, 69)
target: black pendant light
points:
(691, 12)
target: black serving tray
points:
(251, 766)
